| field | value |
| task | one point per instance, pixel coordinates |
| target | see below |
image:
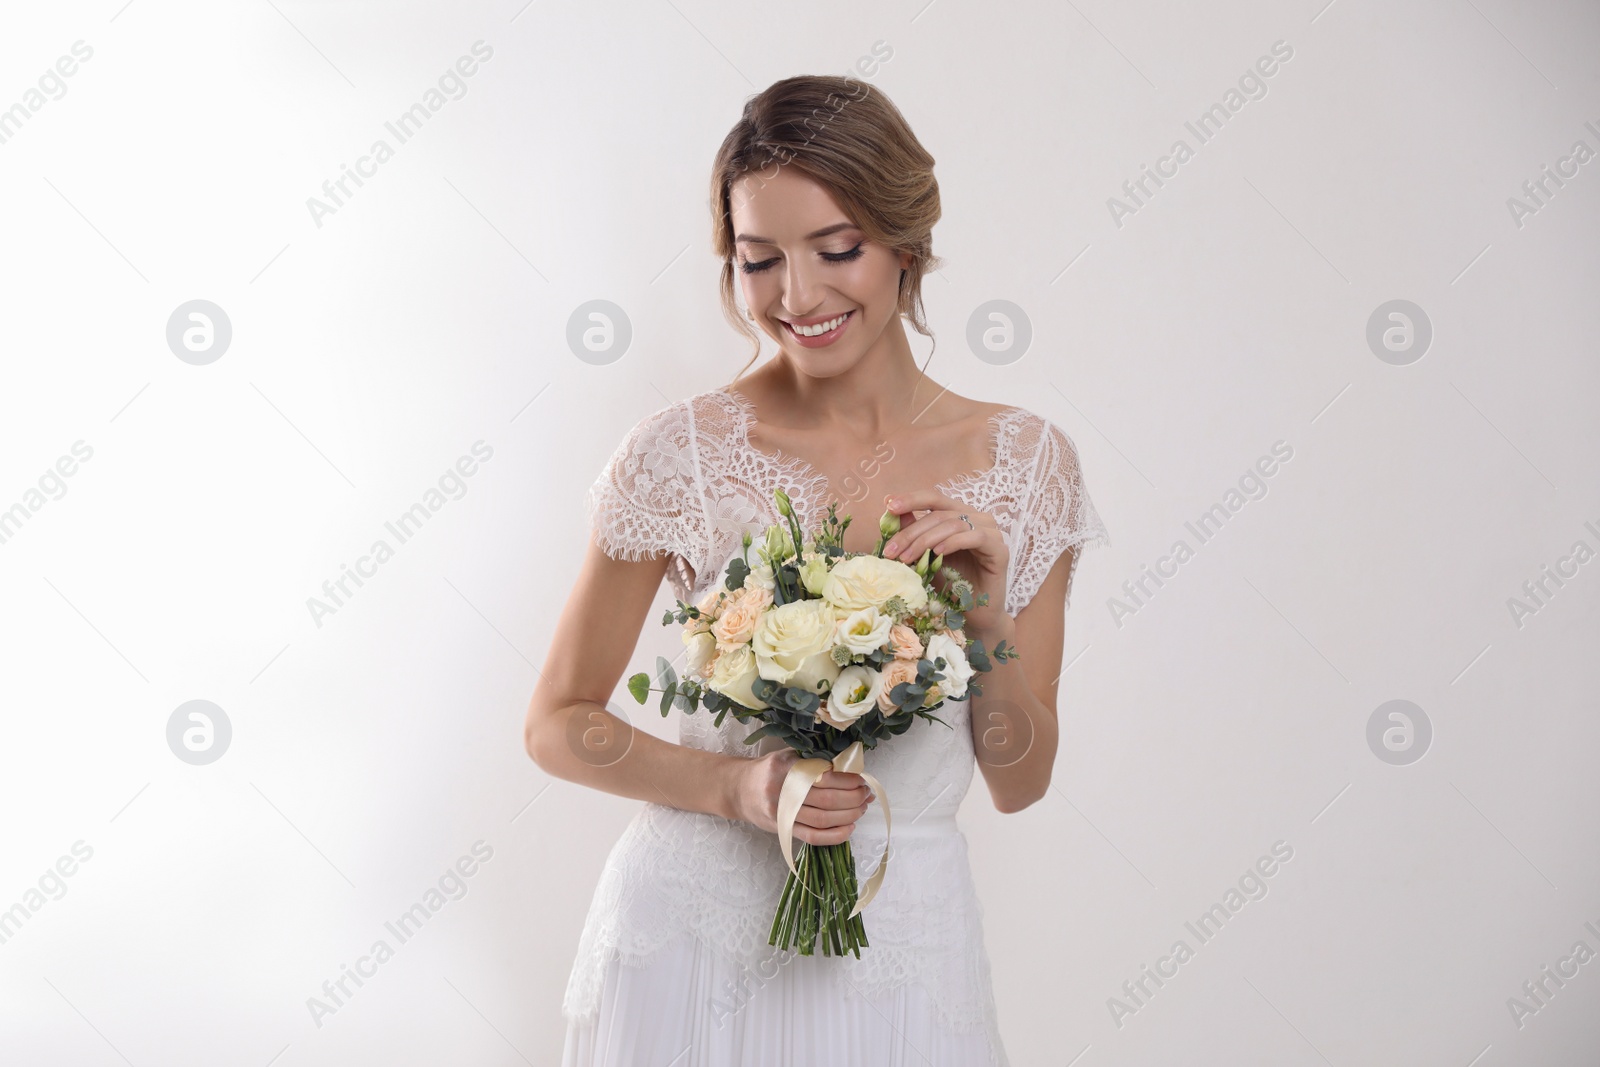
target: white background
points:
(429, 312)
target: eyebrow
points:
(825, 231)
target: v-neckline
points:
(817, 484)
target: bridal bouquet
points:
(831, 651)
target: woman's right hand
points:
(831, 808)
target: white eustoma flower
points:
(814, 573)
(864, 631)
(957, 671)
(855, 692)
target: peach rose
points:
(739, 620)
(709, 605)
(895, 672)
(905, 642)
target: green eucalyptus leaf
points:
(771, 729)
(664, 671)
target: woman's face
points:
(802, 262)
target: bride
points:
(823, 203)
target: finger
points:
(962, 538)
(918, 500)
(834, 836)
(840, 780)
(821, 818)
(837, 798)
(896, 546)
(828, 818)
(942, 531)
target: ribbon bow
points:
(803, 774)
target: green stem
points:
(836, 900)
(829, 901)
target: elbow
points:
(530, 743)
(1010, 805)
(1016, 799)
(1028, 780)
(533, 731)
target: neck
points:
(882, 391)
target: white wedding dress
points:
(673, 966)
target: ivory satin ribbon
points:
(803, 774)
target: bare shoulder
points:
(969, 415)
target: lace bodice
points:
(687, 481)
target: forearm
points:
(1014, 735)
(586, 744)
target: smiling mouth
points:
(820, 328)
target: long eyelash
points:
(831, 257)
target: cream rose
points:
(855, 692)
(793, 645)
(738, 620)
(869, 581)
(734, 674)
(702, 646)
(895, 672)
(905, 642)
(957, 671)
(864, 631)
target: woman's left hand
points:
(980, 553)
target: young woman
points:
(823, 202)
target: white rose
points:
(793, 645)
(864, 631)
(734, 674)
(760, 577)
(957, 671)
(869, 581)
(701, 646)
(855, 692)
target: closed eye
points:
(831, 257)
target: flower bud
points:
(784, 508)
(889, 525)
(780, 545)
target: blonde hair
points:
(848, 137)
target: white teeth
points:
(820, 328)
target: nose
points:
(801, 291)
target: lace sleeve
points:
(1059, 516)
(647, 499)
